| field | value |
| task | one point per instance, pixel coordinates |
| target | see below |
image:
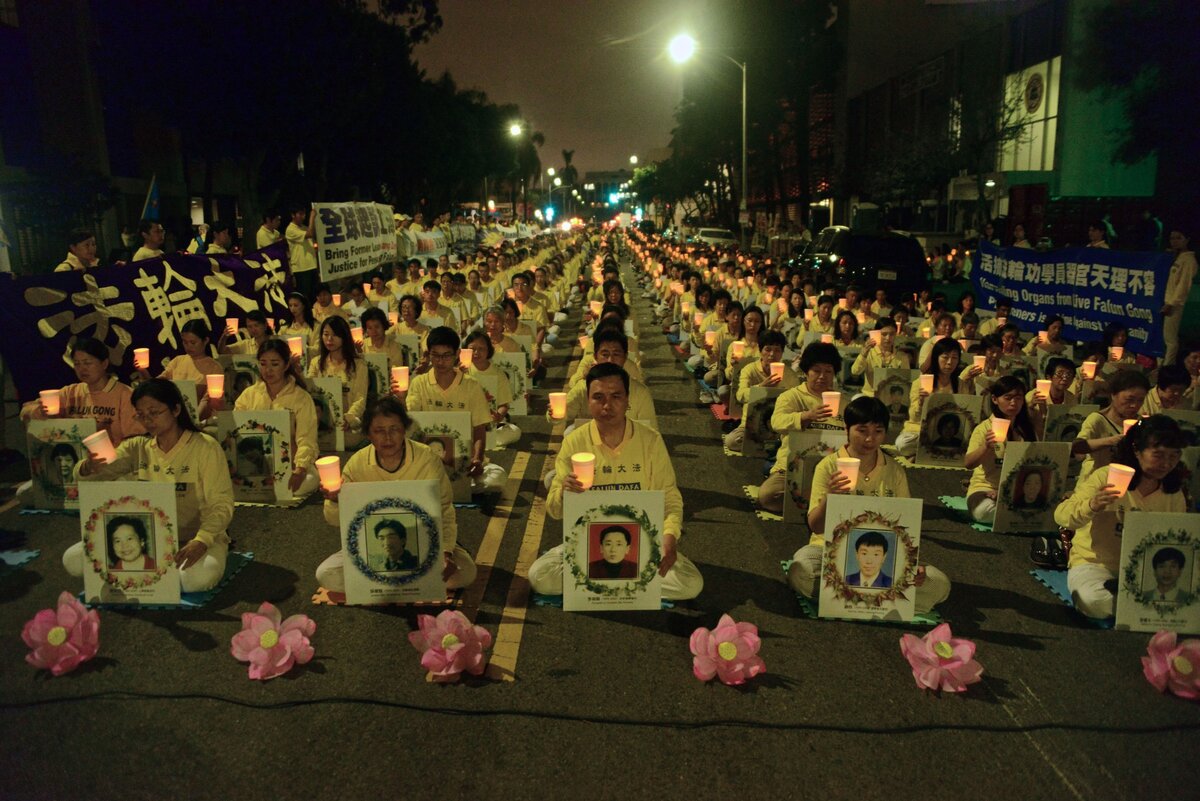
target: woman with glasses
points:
(176, 452)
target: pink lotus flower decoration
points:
(1173, 667)
(729, 652)
(64, 638)
(941, 661)
(450, 644)
(270, 647)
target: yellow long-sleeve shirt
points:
(354, 387)
(197, 468)
(1096, 426)
(420, 464)
(185, 368)
(1097, 537)
(887, 480)
(640, 462)
(292, 398)
(504, 393)
(266, 236)
(986, 475)
(869, 360)
(789, 408)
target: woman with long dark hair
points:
(985, 455)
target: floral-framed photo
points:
(1157, 585)
(257, 447)
(946, 425)
(410, 351)
(54, 448)
(516, 367)
(130, 538)
(190, 392)
(892, 386)
(241, 372)
(1032, 481)
(1063, 422)
(869, 567)
(327, 397)
(612, 547)
(448, 435)
(848, 381)
(379, 377)
(392, 542)
(805, 450)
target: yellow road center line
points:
(485, 559)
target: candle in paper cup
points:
(1043, 337)
(231, 326)
(848, 467)
(1089, 371)
(216, 385)
(337, 300)
(1000, 428)
(329, 468)
(1043, 387)
(1127, 424)
(465, 356)
(271, 324)
(827, 339)
(808, 315)
(1119, 476)
(876, 337)
(296, 346)
(843, 303)
(356, 335)
(927, 383)
(1116, 353)
(698, 319)
(782, 305)
(100, 446)
(981, 362)
(862, 318)
(595, 306)
(964, 344)
(141, 358)
(393, 318)
(741, 283)
(833, 400)
(777, 370)
(51, 401)
(925, 332)
(658, 283)
(710, 338)
(739, 349)
(558, 405)
(685, 306)
(400, 379)
(366, 289)
(1001, 322)
(584, 467)
(584, 341)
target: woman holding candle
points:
(821, 322)
(176, 452)
(877, 475)
(1053, 390)
(195, 363)
(256, 334)
(301, 324)
(943, 328)
(376, 339)
(336, 358)
(1096, 510)
(391, 456)
(1102, 431)
(504, 433)
(753, 322)
(514, 325)
(878, 353)
(493, 326)
(1171, 384)
(1010, 422)
(1116, 340)
(1053, 342)
(380, 295)
(845, 330)
(976, 378)
(324, 307)
(282, 387)
(790, 321)
(98, 394)
(628, 455)
(941, 375)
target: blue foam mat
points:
(11, 561)
(921, 619)
(190, 600)
(1056, 582)
(68, 512)
(958, 503)
(556, 601)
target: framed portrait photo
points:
(448, 435)
(257, 447)
(379, 379)
(130, 538)
(327, 397)
(410, 351)
(1063, 423)
(516, 367)
(392, 542)
(1032, 480)
(805, 450)
(892, 386)
(612, 547)
(869, 565)
(946, 425)
(241, 372)
(1157, 583)
(54, 448)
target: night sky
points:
(591, 75)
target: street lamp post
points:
(682, 48)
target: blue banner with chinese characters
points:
(142, 304)
(1089, 287)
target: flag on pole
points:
(150, 208)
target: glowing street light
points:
(681, 48)
(514, 129)
(557, 181)
(633, 160)
(550, 172)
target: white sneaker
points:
(707, 398)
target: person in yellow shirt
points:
(611, 346)
(268, 232)
(391, 456)
(176, 452)
(446, 388)
(323, 307)
(152, 240)
(376, 339)
(196, 362)
(255, 334)
(434, 313)
(302, 256)
(337, 358)
(975, 380)
(1096, 511)
(822, 321)
(801, 408)
(503, 431)
(879, 476)
(1172, 382)
(1054, 342)
(381, 296)
(992, 325)
(533, 312)
(1061, 373)
(759, 374)
(883, 356)
(880, 306)
(985, 456)
(493, 326)
(944, 360)
(1101, 431)
(1179, 284)
(300, 322)
(81, 252)
(628, 456)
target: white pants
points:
(201, 576)
(682, 582)
(552, 331)
(493, 479)
(310, 483)
(560, 317)
(735, 439)
(805, 573)
(695, 362)
(504, 434)
(906, 443)
(983, 508)
(1090, 596)
(331, 574)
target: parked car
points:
(722, 237)
(871, 261)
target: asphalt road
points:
(601, 706)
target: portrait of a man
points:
(392, 547)
(613, 553)
(870, 555)
(1167, 581)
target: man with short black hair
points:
(268, 232)
(81, 252)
